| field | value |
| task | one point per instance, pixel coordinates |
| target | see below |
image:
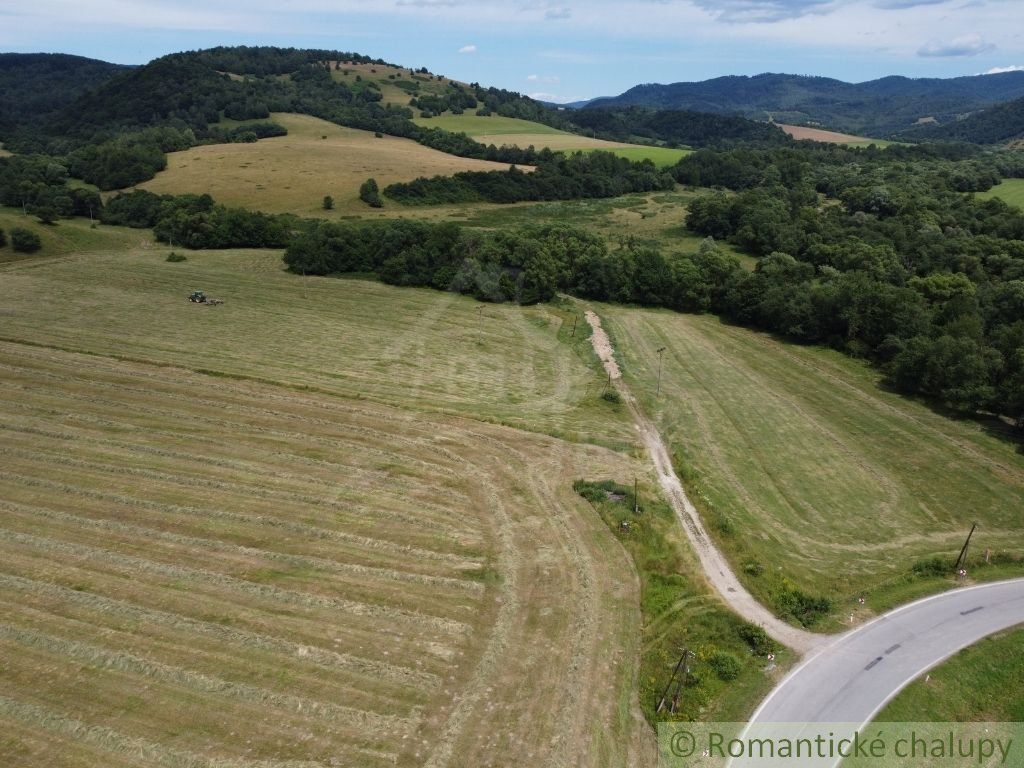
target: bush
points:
(933, 566)
(756, 638)
(3, 238)
(369, 193)
(726, 665)
(25, 241)
(328, 202)
(611, 396)
(176, 257)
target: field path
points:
(716, 568)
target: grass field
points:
(293, 173)
(4, 152)
(982, 683)
(810, 474)
(261, 533)
(68, 236)
(833, 137)
(1010, 191)
(524, 133)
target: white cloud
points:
(968, 45)
(1000, 70)
(554, 98)
(467, 49)
(543, 78)
(759, 11)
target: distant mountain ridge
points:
(888, 107)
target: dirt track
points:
(716, 568)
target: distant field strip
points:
(821, 474)
(293, 173)
(804, 133)
(525, 133)
(240, 575)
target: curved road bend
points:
(850, 680)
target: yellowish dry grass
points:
(293, 173)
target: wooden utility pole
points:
(574, 319)
(664, 694)
(962, 559)
(661, 351)
(636, 497)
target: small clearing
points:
(803, 133)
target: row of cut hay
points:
(373, 480)
(249, 564)
(208, 545)
(241, 639)
(101, 658)
(181, 481)
(264, 592)
(419, 648)
(140, 751)
(427, 513)
(362, 545)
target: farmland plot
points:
(210, 572)
(808, 470)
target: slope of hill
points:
(34, 86)
(877, 107)
(293, 173)
(999, 124)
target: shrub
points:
(3, 238)
(756, 638)
(726, 665)
(753, 568)
(25, 241)
(328, 202)
(369, 193)
(933, 566)
(611, 395)
(176, 257)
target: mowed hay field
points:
(802, 132)
(293, 173)
(226, 568)
(1010, 191)
(524, 133)
(360, 339)
(806, 469)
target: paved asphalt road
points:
(850, 679)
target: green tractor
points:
(198, 297)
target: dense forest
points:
(996, 125)
(35, 86)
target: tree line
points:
(557, 177)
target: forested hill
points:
(118, 132)
(878, 108)
(1001, 124)
(35, 86)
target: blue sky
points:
(562, 50)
